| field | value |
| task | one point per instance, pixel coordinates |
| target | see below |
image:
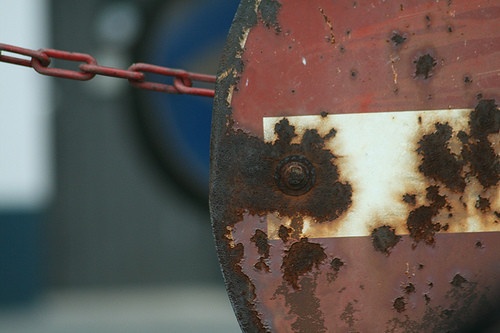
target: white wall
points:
(25, 130)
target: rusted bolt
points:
(294, 175)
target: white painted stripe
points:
(376, 154)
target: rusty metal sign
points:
(355, 165)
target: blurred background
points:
(104, 223)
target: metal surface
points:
(40, 61)
(395, 108)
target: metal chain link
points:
(88, 69)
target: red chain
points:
(40, 61)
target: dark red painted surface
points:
(292, 58)
(280, 84)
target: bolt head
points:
(295, 175)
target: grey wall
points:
(114, 220)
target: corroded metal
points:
(395, 108)
(431, 171)
(88, 69)
(295, 175)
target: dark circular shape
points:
(295, 175)
(176, 128)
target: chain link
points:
(40, 60)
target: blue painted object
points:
(20, 256)
(191, 37)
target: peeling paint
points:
(304, 307)
(348, 316)
(384, 238)
(424, 66)
(243, 38)
(440, 267)
(301, 258)
(436, 150)
(330, 26)
(225, 74)
(465, 304)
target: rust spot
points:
(262, 266)
(438, 162)
(249, 163)
(463, 137)
(410, 199)
(330, 26)
(285, 131)
(348, 315)
(485, 119)
(479, 152)
(397, 38)
(336, 264)
(424, 66)
(384, 238)
(399, 304)
(419, 222)
(297, 225)
(428, 20)
(284, 233)
(328, 187)
(458, 281)
(466, 307)
(268, 10)
(261, 242)
(483, 204)
(409, 288)
(438, 201)
(240, 287)
(304, 306)
(331, 134)
(300, 259)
